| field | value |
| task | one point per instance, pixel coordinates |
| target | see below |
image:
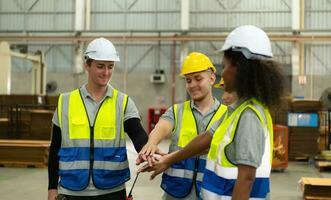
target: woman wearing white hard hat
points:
(240, 144)
(88, 157)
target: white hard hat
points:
(252, 41)
(101, 49)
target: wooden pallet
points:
(24, 153)
(301, 158)
(323, 165)
(22, 164)
(317, 198)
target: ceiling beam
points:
(150, 38)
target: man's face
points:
(229, 98)
(100, 72)
(199, 84)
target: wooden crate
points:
(4, 128)
(24, 153)
(317, 198)
(314, 188)
(323, 165)
(40, 125)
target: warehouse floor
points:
(31, 183)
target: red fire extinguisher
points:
(129, 197)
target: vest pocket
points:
(74, 179)
(73, 175)
(79, 130)
(104, 132)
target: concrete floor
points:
(31, 183)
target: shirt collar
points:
(213, 108)
(86, 94)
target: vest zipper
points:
(91, 149)
(91, 137)
(92, 143)
(196, 166)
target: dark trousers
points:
(120, 195)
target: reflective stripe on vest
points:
(220, 174)
(179, 178)
(98, 150)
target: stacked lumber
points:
(323, 140)
(4, 127)
(323, 161)
(27, 116)
(40, 125)
(314, 188)
(24, 153)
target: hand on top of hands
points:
(151, 154)
(147, 154)
(157, 163)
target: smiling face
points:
(229, 98)
(99, 72)
(229, 75)
(199, 84)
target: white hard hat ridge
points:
(101, 49)
(252, 41)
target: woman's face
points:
(229, 75)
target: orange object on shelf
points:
(154, 115)
(280, 150)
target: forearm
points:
(244, 182)
(197, 146)
(136, 133)
(161, 131)
(53, 159)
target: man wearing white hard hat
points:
(88, 157)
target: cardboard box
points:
(316, 188)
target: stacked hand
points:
(156, 160)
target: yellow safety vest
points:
(220, 174)
(96, 151)
(180, 177)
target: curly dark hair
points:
(261, 79)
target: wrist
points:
(152, 142)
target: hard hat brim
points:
(249, 55)
(103, 58)
(181, 74)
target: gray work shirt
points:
(248, 145)
(201, 119)
(202, 123)
(92, 107)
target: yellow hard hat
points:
(196, 62)
(220, 84)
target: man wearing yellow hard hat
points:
(183, 122)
